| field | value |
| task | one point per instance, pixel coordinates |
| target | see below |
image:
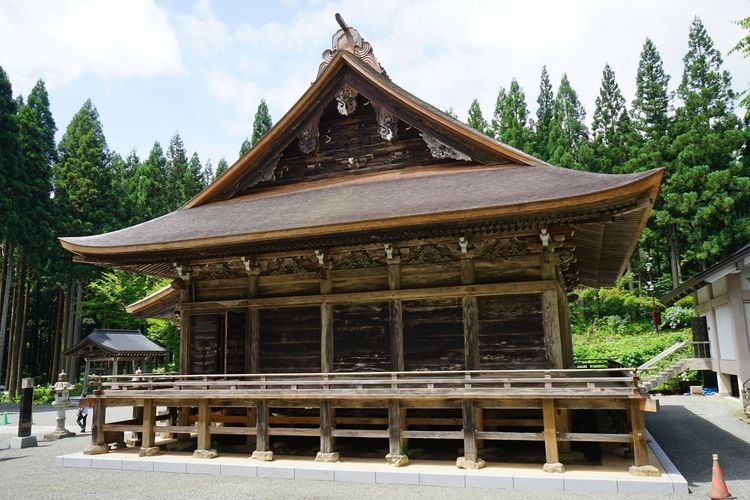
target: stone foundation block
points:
(263, 456)
(397, 460)
(644, 471)
(463, 463)
(210, 453)
(327, 457)
(556, 467)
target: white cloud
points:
(62, 40)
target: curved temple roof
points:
(497, 184)
(378, 201)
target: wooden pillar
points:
(148, 436)
(184, 329)
(468, 271)
(326, 453)
(98, 442)
(115, 372)
(395, 456)
(471, 332)
(470, 460)
(551, 325)
(550, 437)
(254, 327)
(86, 371)
(183, 419)
(395, 314)
(261, 433)
(203, 448)
(326, 338)
(638, 428)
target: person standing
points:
(82, 413)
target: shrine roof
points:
(392, 199)
(118, 343)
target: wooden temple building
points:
(375, 269)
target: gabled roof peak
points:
(348, 39)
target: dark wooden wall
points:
(290, 340)
(510, 333)
(433, 335)
(355, 136)
(361, 338)
(205, 347)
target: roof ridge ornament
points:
(349, 39)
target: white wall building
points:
(721, 294)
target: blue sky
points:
(153, 68)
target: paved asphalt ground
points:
(689, 429)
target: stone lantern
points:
(62, 403)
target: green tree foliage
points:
(651, 103)
(193, 182)
(650, 147)
(108, 296)
(177, 172)
(147, 194)
(476, 120)
(82, 177)
(262, 123)
(743, 47)
(9, 155)
(450, 112)
(611, 130)
(510, 121)
(208, 173)
(707, 196)
(568, 132)
(221, 167)
(544, 114)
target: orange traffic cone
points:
(718, 486)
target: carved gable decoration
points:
(346, 100)
(350, 40)
(441, 151)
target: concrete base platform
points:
(23, 442)
(611, 477)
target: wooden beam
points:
(394, 274)
(261, 427)
(184, 334)
(395, 456)
(481, 290)
(551, 325)
(396, 325)
(204, 424)
(326, 338)
(469, 432)
(471, 332)
(550, 431)
(638, 429)
(254, 316)
(468, 272)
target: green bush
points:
(677, 317)
(43, 394)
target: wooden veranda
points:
(200, 407)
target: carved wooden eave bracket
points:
(349, 39)
(346, 100)
(387, 123)
(441, 150)
(308, 134)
